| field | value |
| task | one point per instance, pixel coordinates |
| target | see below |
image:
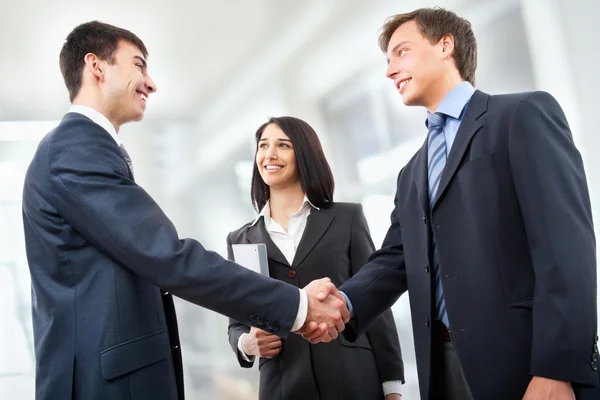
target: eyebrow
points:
(280, 139)
(142, 60)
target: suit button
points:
(292, 274)
(175, 346)
(594, 357)
(164, 293)
(427, 323)
(427, 268)
(594, 366)
(424, 219)
(595, 348)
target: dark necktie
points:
(127, 158)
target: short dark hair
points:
(316, 178)
(91, 37)
(434, 23)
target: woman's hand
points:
(261, 343)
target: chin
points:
(410, 99)
(138, 117)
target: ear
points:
(447, 46)
(93, 65)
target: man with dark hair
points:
(491, 233)
(104, 259)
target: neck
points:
(441, 90)
(95, 101)
(284, 202)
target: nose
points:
(150, 85)
(391, 71)
(271, 153)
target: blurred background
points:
(222, 68)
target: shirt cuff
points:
(390, 387)
(350, 308)
(241, 349)
(302, 311)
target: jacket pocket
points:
(474, 166)
(134, 354)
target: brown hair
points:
(434, 23)
(316, 178)
(91, 37)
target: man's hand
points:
(260, 343)
(548, 389)
(327, 312)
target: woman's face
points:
(275, 158)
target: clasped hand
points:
(327, 312)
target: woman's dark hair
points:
(315, 174)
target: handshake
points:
(326, 316)
(327, 312)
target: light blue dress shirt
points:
(453, 107)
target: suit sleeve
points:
(382, 334)
(93, 193)
(551, 187)
(235, 328)
(379, 284)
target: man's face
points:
(415, 65)
(126, 85)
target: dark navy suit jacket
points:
(100, 250)
(513, 230)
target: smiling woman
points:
(309, 237)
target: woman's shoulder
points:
(346, 207)
(238, 234)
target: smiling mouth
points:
(400, 85)
(273, 167)
(143, 96)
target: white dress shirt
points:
(288, 242)
(98, 118)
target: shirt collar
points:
(98, 118)
(456, 101)
(266, 211)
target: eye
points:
(262, 145)
(402, 52)
(285, 145)
(140, 66)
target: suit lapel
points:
(468, 128)
(258, 234)
(316, 225)
(420, 175)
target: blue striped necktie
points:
(436, 159)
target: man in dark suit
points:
(100, 249)
(491, 232)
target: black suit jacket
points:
(335, 244)
(513, 231)
(99, 248)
